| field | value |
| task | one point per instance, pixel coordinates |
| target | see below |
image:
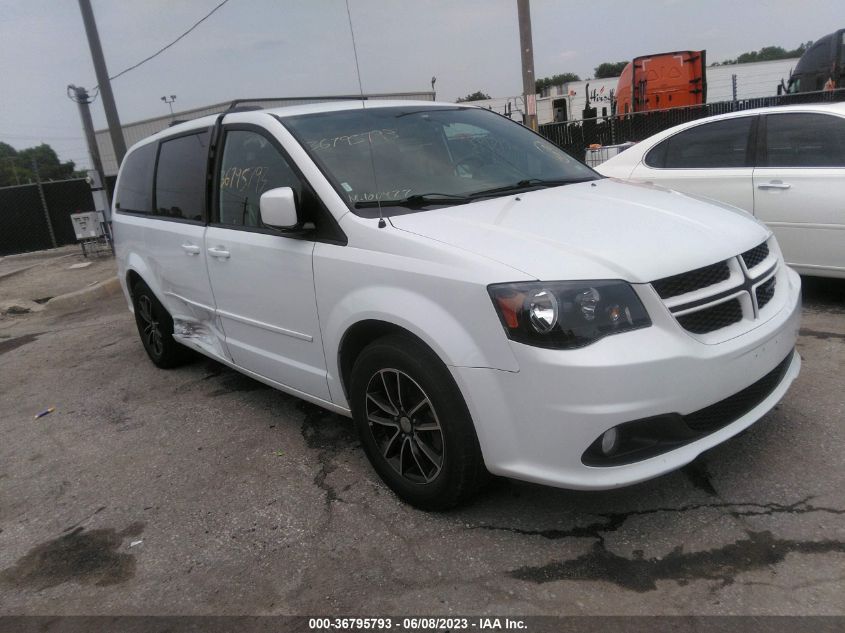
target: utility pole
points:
(527, 50)
(115, 131)
(733, 86)
(99, 189)
(83, 100)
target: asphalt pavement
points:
(200, 491)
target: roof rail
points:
(234, 107)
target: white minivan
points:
(475, 299)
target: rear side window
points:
(180, 177)
(805, 140)
(135, 191)
(711, 145)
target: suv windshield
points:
(425, 156)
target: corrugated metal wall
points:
(134, 132)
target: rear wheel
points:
(414, 424)
(155, 327)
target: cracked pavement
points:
(200, 491)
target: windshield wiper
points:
(422, 199)
(419, 199)
(527, 184)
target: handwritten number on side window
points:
(245, 179)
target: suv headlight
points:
(567, 314)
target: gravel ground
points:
(43, 275)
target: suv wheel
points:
(155, 327)
(414, 424)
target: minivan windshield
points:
(424, 156)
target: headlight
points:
(543, 310)
(567, 314)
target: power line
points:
(164, 48)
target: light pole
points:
(170, 103)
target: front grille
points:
(765, 292)
(712, 318)
(734, 407)
(693, 280)
(755, 255)
(721, 288)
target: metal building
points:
(134, 132)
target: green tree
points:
(475, 96)
(609, 69)
(766, 54)
(555, 80)
(13, 171)
(9, 166)
(16, 166)
(7, 150)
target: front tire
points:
(155, 327)
(414, 424)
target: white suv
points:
(473, 297)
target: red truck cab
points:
(665, 80)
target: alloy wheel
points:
(404, 425)
(151, 331)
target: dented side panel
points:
(204, 335)
(170, 258)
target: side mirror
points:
(278, 208)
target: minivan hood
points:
(603, 229)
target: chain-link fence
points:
(576, 136)
(35, 217)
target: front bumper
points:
(536, 424)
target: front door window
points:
(251, 166)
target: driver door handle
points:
(219, 252)
(774, 185)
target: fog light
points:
(610, 441)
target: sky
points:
(273, 48)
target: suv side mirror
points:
(278, 208)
